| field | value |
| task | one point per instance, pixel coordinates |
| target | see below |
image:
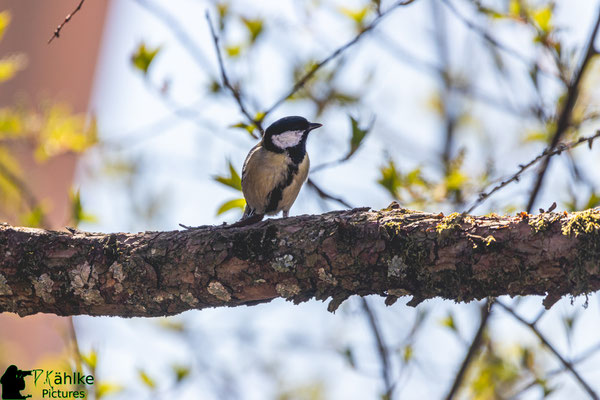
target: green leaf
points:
(146, 379)
(449, 323)
(11, 123)
(104, 388)
(358, 134)
(248, 128)
(233, 180)
(514, 8)
(349, 357)
(233, 50)
(543, 18)
(63, 131)
(90, 359)
(254, 26)
(4, 22)
(181, 372)
(390, 178)
(407, 353)
(357, 15)
(33, 218)
(172, 325)
(232, 204)
(77, 213)
(593, 201)
(9, 66)
(143, 57)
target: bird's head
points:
(288, 132)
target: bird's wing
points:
(263, 170)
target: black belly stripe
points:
(276, 194)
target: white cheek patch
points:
(287, 139)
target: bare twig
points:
(547, 153)
(485, 35)
(568, 365)
(181, 34)
(382, 349)
(486, 311)
(324, 195)
(307, 76)
(56, 33)
(564, 119)
(235, 92)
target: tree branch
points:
(546, 154)
(486, 310)
(235, 92)
(393, 252)
(56, 33)
(564, 119)
(302, 81)
(552, 349)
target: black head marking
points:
(293, 123)
(289, 124)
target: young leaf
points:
(231, 204)
(4, 21)
(9, 66)
(255, 28)
(357, 15)
(543, 18)
(233, 180)
(390, 178)
(104, 388)
(146, 379)
(77, 213)
(143, 57)
(248, 128)
(91, 359)
(449, 323)
(181, 372)
(358, 134)
(233, 50)
(33, 218)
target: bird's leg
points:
(252, 219)
(285, 213)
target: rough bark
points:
(393, 252)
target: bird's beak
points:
(313, 125)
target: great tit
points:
(276, 168)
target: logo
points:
(49, 383)
(13, 381)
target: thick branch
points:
(392, 252)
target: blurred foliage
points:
(143, 56)
(51, 130)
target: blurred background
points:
(123, 123)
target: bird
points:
(275, 169)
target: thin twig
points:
(547, 153)
(180, 34)
(235, 92)
(564, 119)
(486, 310)
(382, 349)
(485, 35)
(324, 195)
(568, 365)
(307, 76)
(56, 33)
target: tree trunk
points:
(393, 252)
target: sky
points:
(181, 157)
